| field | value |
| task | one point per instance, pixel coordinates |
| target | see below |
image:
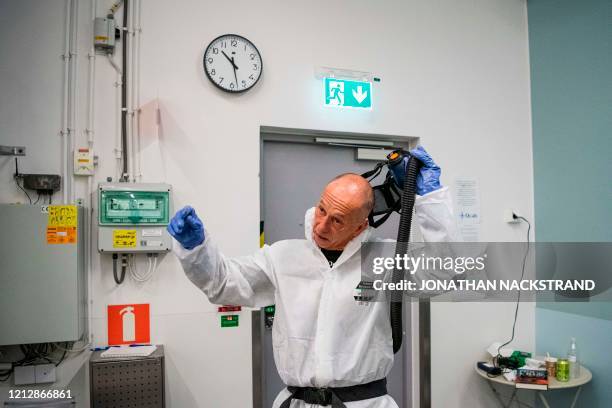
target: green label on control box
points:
(229, 321)
(118, 207)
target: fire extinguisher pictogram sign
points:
(128, 324)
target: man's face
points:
(339, 217)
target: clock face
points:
(232, 63)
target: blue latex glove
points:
(428, 179)
(187, 228)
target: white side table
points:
(553, 384)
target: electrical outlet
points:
(509, 216)
(25, 375)
(45, 373)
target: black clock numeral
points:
(213, 72)
(215, 50)
(224, 44)
(254, 67)
(251, 77)
(221, 79)
(243, 83)
(210, 60)
(234, 43)
(231, 85)
(252, 57)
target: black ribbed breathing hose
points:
(401, 248)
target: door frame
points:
(417, 314)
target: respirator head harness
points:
(388, 195)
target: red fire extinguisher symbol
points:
(128, 324)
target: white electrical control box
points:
(104, 34)
(83, 162)
(132, 217)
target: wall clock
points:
(232, 63)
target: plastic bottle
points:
(572, 356)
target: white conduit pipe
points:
(118, 147)
(132, 65)
(137, 136)
(128, 76)
(133, 87)
(64, 131)
(114, 64)
(90, 143)
(118, 81)
(91, 59)
(73, 98)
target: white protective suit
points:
(321, 336)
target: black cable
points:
(39, 352)
(16, 177)
(518, 299)
(118, 280)
(22, 189)
(63, 355)
(37, 197)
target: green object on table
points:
(519, 357)
(563, 370)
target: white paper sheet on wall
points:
(467, 208)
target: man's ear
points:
(363, 226)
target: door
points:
(293, 177)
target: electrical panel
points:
(43, 280)
(132, 217)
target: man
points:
(328, 349)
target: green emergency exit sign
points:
(342, 93)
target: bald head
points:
(342, 212)
(353, 185)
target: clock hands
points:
(231, 60)
(235, 76)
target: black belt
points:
(338, 395)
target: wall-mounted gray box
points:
(43, 287)
(132, 217)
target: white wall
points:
(453, 73)
(31, 72)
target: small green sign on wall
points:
(229, 321)
(342, 93)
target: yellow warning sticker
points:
(62, 216)
(124, 238)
